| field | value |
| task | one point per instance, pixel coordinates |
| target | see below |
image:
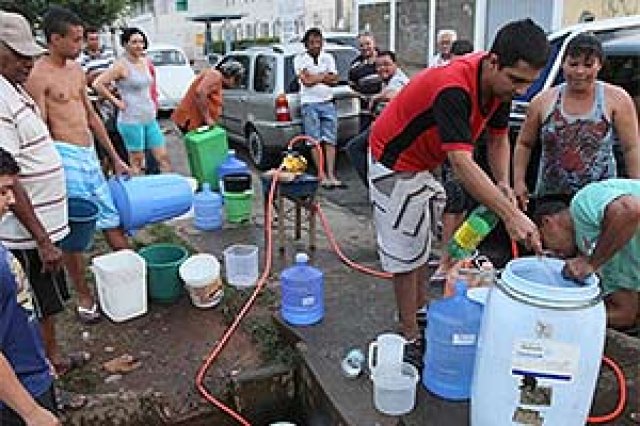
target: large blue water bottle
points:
(302, 293)
(207, 208)
(232, 165)
(451, 334)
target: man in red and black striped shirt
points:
(438, 115)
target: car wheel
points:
(260, 155)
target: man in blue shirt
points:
(600, 232)
(26, 381)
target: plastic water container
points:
(83, 214)
(163, 262)
(238, 206)
(201, 276)
(207, 207)
(141, 200)
(302, 293)
(454, 324)
(241, 265)
(386, 352)
(121, 284)
(207, 148)
(232, 165)
(395, 394)
(539, 349)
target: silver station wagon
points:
(263, 112)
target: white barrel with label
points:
(539, 349)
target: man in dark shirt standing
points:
(363, 77)
(438, 115)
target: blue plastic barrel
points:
(141, 200)
(83, 214)
(451, 334)
(302, 293)
(207, 208)
(232, 165)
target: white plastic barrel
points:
(201, 276)
(539, 349)
(121, 283)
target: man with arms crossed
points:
(439, 115)
(58, 85)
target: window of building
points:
(182, 5)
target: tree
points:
(96, 13)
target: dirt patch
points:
(170, 342)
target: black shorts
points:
(8, 417)
(50, 290)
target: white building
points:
(168, 21)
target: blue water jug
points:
(302, 293)
(232, 165)
(451, 334)
(207, 209)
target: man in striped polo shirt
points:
(94, 58)
(38, 219)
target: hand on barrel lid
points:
(577, 269)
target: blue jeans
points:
(320, 121)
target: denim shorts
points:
(140, 136)
(320, 121)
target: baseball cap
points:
(15, 32)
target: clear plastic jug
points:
(385, 354)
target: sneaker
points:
(414, 353)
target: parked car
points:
(620, 37)
(263, 112)
(173, 74)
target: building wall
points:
(573, 9)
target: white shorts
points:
(406, 208)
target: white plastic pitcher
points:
(201, 276)
(241, 265)
(121, 282)
(385, 354)
(395, 394)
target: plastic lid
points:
(302, 258)
(231, 152)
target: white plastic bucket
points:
(395, 394)
(241, 265)
(539, 348)
(121, 283)
(201, 276)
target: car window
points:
(245, 62)
(623, 71)
(264, 79)
(343, 59)
(166, 57)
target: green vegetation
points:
(97, 13)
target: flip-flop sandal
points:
(327, 184)
(66, 400)
(71, 362)
(89, 316)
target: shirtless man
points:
(58, 85)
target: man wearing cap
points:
(38, 218)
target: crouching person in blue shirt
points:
(26, 381)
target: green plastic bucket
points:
(163, 262)
(238, 206)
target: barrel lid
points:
(539, 281)
(302, 257)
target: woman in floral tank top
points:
(577, 124)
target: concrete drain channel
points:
(274, 395)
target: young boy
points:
(26, 390)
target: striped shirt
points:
(96, 62)
(24, 135)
